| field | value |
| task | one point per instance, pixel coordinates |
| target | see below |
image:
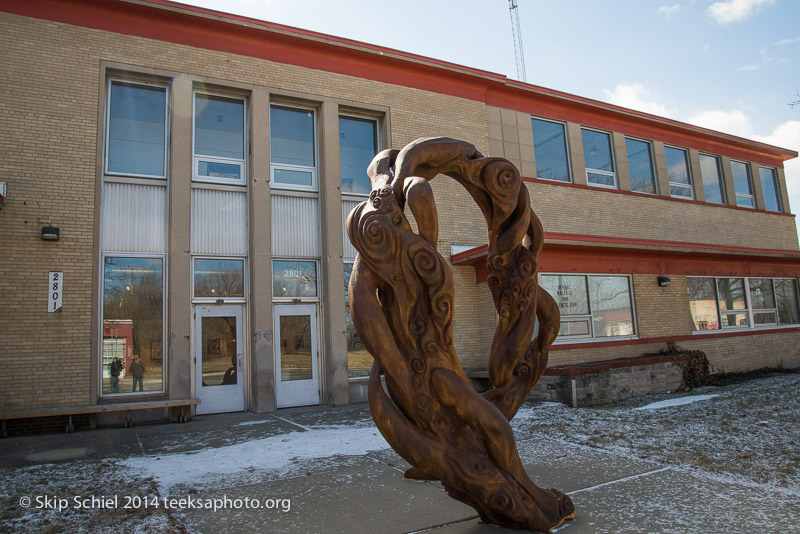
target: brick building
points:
(198, 167)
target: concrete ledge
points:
(602, 382)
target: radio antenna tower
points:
(517, 34)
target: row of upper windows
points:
(137, 131)
(551, 153)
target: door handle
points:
(238, 362)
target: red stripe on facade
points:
(588, 258)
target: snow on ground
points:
(747, 433)
(680, 401)
(274, 453)
(749, 430)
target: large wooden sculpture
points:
(401, 300)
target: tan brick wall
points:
(52, 86)
(661, 311)
(602, 213)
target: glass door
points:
(296, 361)
(218, 356)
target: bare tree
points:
(796, 101)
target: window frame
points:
(164, 329)
(775, 184)
(111, 80)
(650, 153)
(567, 160)
(365, 117)
(225, 300)
(197, 158)
(749, 309)
(314, 187)
(720, 179)
(590, 317)
(317, 269)
(737, 194)
(687, 162)
(588, 170)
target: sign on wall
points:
(55, 288)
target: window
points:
(732, 302)
(598, 158)
(712, 179)
(680, 180)
(136, 130)
(358, 144)
(591, 306)
(359, 361)
(294, 279)
(742, 184)
(742, 302)
(550, 150)
(217, 278)
(769, 188)
(133, 324)
(640, 166)
(219, 142)
(293, 149)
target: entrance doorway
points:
(218, 354)
(296, 361)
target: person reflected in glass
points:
(137, 371)
(114, 370)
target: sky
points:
(731, 66)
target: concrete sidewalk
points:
(365, 492)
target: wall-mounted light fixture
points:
(663, 281)
(49, 232)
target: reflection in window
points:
(133, 323)
(292, 147)
(591, 306)
(742, 184)
(359, 361)
(732, 304)
(550, 150)
(598, 158)
(219, 138)
(680, 181)
(358, 144)
(703, 303)
(219, 351)
(296, 348)
(772, 301)
(712, 179)
(762, 300)
(769, 188)
(294, 279)
(611, 306)
(136, 136)
(218, 278)
(786, 297)
(640, 166)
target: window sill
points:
(590, 340)
(745, 330)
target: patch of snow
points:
(680, 401)
(249, 423)
(273, 453)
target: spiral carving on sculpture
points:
(402, 305)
